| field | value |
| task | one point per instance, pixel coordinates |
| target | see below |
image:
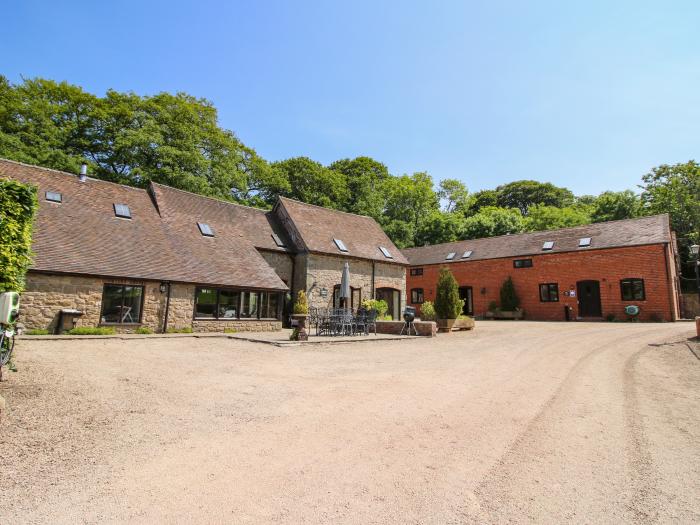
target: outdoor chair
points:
(371, 322)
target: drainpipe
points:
(167, 310)
(373, 271)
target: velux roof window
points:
(386, 252)
(467, 254)
(585, 241)
(277, 240)
(340, 244)
(450, 256)
(54, 196)
(122, 211)
(205, 229)
(548, 245)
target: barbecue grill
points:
(409, 315)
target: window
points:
(54, 196)
(277, 240)
(416, 271)
(450, 256)
(355, 297)
(225, 304)
(121, 304)
(340, 244)
(583, 242)
(205, 229)
(386, 252)
(632, 289)
(522, 263)
(548, 245)
(467, 254)
(549, 293)
(122, 210)
(417, 295)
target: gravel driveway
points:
(523, 422)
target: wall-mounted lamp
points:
(483, 291)
(163, 287)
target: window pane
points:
(131, 312)
(268, 305)
(111, 303)
(638, 287)
(543, 292)
(250, 305)
(553, 292)
(228, 304)
(205, 303)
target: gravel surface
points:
(512, 422)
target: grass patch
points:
(92, 330)
(37, 331)
(183, 330)
(144, 330)
(230, 331)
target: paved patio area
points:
(281, 338)
(513, 422)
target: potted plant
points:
(510, 303)
(448, 305)
(427, 311)
(300, 312)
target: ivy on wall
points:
(18, 205)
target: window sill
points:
(120, 324)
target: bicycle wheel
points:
(7, 344)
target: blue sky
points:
(588, 95)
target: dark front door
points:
(588, 298)
(465, 293)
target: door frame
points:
(579, 287)
(394, 315)
(469, 311)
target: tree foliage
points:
(509, 297)
(616, 205)
(492, 221)
(448, 305)
(18, 204)
(522, 194)
(541, 217)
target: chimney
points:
(83, 172)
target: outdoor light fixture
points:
(694, 250)
(163, 287)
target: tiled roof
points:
(614, 234)
(82, 235)
(318, 227)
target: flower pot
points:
(302, 334)
(445, 325)
(465, 323)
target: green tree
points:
(509, 297)
(365, 179)
(616, 205)
(477, 201)
(410, 199)
(541, 217)
(454, 194)
(491, 221)
(311, 182)
(439, 226)
(18, 204)
(522, 194)
(448, 305)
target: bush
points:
(610, 318)
(448, 305)
(18, 204)
(301, 306)
(183, 330)
(294, 336)
(92, 330)
(493, 306)
(143, 330)
(427, 311)
(230, 331)
(37, 331)
(509, 298)
(378, 305)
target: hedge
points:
(18, 205)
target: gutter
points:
(167, 310)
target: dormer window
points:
(205, 229)
(54, 196)
(122, 211)
(340, 244)
(467, 254)
(386, 252)
(548, 245)
(277, 240)
(450, 256)
(585, 241)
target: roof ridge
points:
(69, 174)
(522, 234)
(280, 197)
(209, 197)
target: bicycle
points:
(7, 344)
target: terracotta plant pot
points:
(302, 334)
(445, 325)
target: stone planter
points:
(445, 325)
(302, 334)
(466, 323)
(499, 314)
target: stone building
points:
(586, 272)
(114, 255)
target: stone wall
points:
(281, 263)
(690, 305)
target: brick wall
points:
(606, 266)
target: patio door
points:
(392, 296)
(589, 299)
(465, 293)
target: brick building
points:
(595, 270)
(165, 258)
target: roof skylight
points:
(585, 241)
(386, 252)
(54, 196)
(205, 229)
(122, 210)
(467, 254)
(450, 256)
(548, 245)
(340, 244)
(277, 240)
